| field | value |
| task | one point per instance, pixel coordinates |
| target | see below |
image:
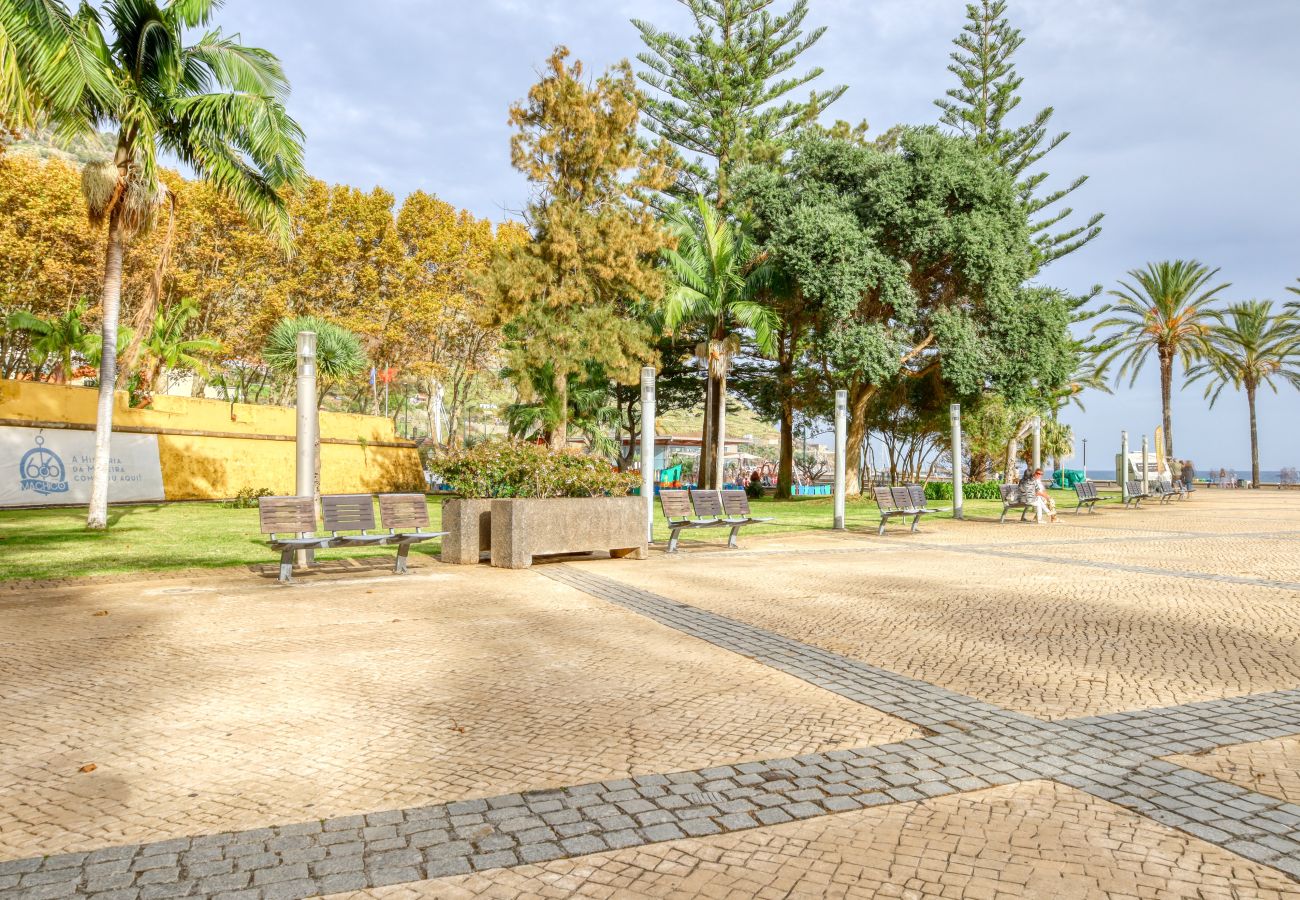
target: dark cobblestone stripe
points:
(975, 745)
(1260, 828)
(912, 700)
(1194, 727)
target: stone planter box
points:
(522, 529)
(468, 524)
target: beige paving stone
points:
(235, 704)
(1269, 767)
(1034, 839)
(1044, 637)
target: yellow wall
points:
(221, 461)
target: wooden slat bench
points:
(406, 516)
(1086, 491)
(897, 502)
(677, 510)
(1134, 494)
(349, 519)
(1011, 499)
(288, 522)
(736, 513)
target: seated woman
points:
(1032, 491)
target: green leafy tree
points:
(59, 338)
(1250, 346)
(568, 295)
(1165, 309)
(714, 279)
(215, 104)
(724, 92)
(915, 260)
(987, 92)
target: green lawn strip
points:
(41, 544)
(54, 543)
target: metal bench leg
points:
(916, 518)
(286, 566)
(883, 520)
(1003, 519)
(731, 539)
(672, 539)
(399, 567)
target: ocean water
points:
(1266, 476)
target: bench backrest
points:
(676, 504)
(1135, 488)
(347, 512)
(902, 497)
(286, 515)
(735, 503)
(708, 504)
(916, 493)
(403, 511)
(1010, 493)
(884, 498)
(1081, 490)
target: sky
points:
(1183, 113)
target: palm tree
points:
(339, 354)
(167, 348)
(216, 105)
(1166, 309)
(61, 338)
(1294, 304)
(1250, 346)
(589, 410)
(715, 277)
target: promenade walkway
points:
(1105, 708)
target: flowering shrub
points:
(496, 469)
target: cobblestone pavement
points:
(971, 711)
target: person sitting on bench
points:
(1032, 491)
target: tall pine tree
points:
(987, 93)
(568, 294)
(721, 93)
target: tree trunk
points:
(110, 302)
(560, 434)
(704, 470)
(1166, 401)
(785, 465)
(720, 430)
(1009, 464)
(1254, 437)
(859, 397)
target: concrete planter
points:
(522, 529)
(469, 527)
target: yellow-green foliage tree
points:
(567, 293)
(450, 339)
(49, 256)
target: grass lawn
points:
(53, 543)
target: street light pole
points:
(841, 421)
(648, 448)
(958, 495)
(1085, 459)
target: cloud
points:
(1183, 114)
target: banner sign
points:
(52, 467)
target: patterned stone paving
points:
(1137, 769)
(1034, 839)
